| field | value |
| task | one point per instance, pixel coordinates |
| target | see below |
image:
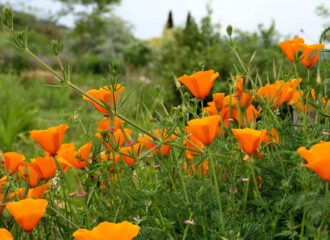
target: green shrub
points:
(16, 112)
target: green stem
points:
(302, 230)
(222, 222)
(325, 203)
(295, 69)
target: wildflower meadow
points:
(236, 154)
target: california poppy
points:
(35, 193)
(105, 95)
(305, 58)
(38, 192)
(12, 161)
(5, 234)
(252, 113)
(133, 150)
(112, 157)
(249, 139)
(50, 139)
(116, 138)
(200, 83)
(276, 93)
(27, 212)
(205, 129)
(211, 109)
(318, 159)
(218, 99)
(271, 135)
(107, 230)
(239, 86)
(45, 166)
(291, 47)
(28, 172)
(202, 168)
(3, 181)
(149, 143)
(193, 143)
(69, 157)
(228, 116)
(110, 125)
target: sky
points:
(148, 17)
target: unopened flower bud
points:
(229, 30)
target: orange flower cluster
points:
(235, 107)
(149, 143)
(44, 168)
(107, 96)
(292, 48)
(36, 172)
(279, 92)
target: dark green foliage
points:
(137, 54)
(16, 114)
(170, 23)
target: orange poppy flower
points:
(38, 192)
(27, 212)
(50, 139)
(45, 166)
(299, 101)
(130, 150)
(69, 157)
(291, 47)
(276, 93)
(12, 161)
(149, 143)
(239, 86)
(28, 172)
(295, 82)
(318, 159)
(116, 138)
(199, 83)
(218, 99)
(201, 168)
(35, 193)
(246, 99)
(229, 101)
(211, 109)
(252, 113)
(228, 116)
(107, 230)
(205, 129)
(3, 181)
(104, 95)
(271, 135)
(307, 51)
(106, 124)
(5, 234)
(113, 158)
(194, 143)
(249, 139)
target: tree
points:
(170, 23)
(101, 5)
